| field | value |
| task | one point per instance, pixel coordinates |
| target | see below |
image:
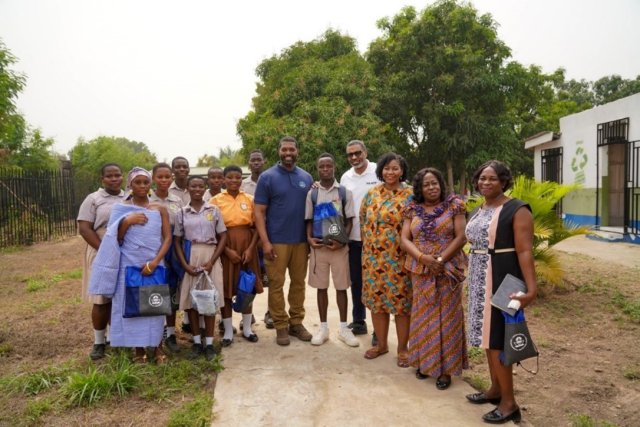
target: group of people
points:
(404, 257)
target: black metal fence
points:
(36, 206)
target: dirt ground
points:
(589, 363)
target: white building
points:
(600, 150)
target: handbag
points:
(205, 298)
(146, 295)
(245, 292)
(518, 344)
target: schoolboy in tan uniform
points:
(329, 256)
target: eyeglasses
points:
(354, 154)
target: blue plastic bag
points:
(245, 292)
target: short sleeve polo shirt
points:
(284, 193)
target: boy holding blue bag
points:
(326, 230)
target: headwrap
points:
(136, 171)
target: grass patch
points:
(12, 249)
(73, 274)
(117, 378)
(5, 349)
(36, 409)
(478, 382)
(629, 307)
(175, 377)
(196, 413)
(34, 285)
(38, 382)
(581, 420)
(39, 282)
(632, 373)
(476, 355)
(63, 388)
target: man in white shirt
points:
(359, 179)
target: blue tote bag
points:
(146, 295)
(245, 292)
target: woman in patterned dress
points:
(433, 237)
(386, 288)
(501, 237)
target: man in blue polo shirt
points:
(279, 208)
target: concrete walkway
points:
(627, 254)
(264, 384)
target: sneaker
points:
(282, 336)
(97, 352)
(374, 340)
(186, 328)
(300, 332)
(196, 351)
(346, 336)
(209, 352)
(320, 337)
(172, 344)
(268, 321)
(358, 327)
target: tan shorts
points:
(323, 260)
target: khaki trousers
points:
(295, 258)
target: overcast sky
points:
(177, 75)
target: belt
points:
(491, 251)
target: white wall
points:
(580, 130)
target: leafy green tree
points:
(35, 153)
(548, 228)
(206, 160)
(20, 146)
(12, 125)
(226, 156)
(321, 92)
(611, 88)
(88, 157)
(443, 87)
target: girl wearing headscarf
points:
(138, 234)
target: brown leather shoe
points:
(282, 336)
(300, 332)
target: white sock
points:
(185, 319)
(324, 326)
(99, 336)
(202, 322)
(197, 339)
(171, 330)
(246, 324)
(228, 328)
(343, 325)
(208, 340)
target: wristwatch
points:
(440, 260)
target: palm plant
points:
(548, 228)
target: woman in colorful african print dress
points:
(433, 237)
(501, 237)
(386, 288)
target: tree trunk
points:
(450, 174)
(463, 182)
